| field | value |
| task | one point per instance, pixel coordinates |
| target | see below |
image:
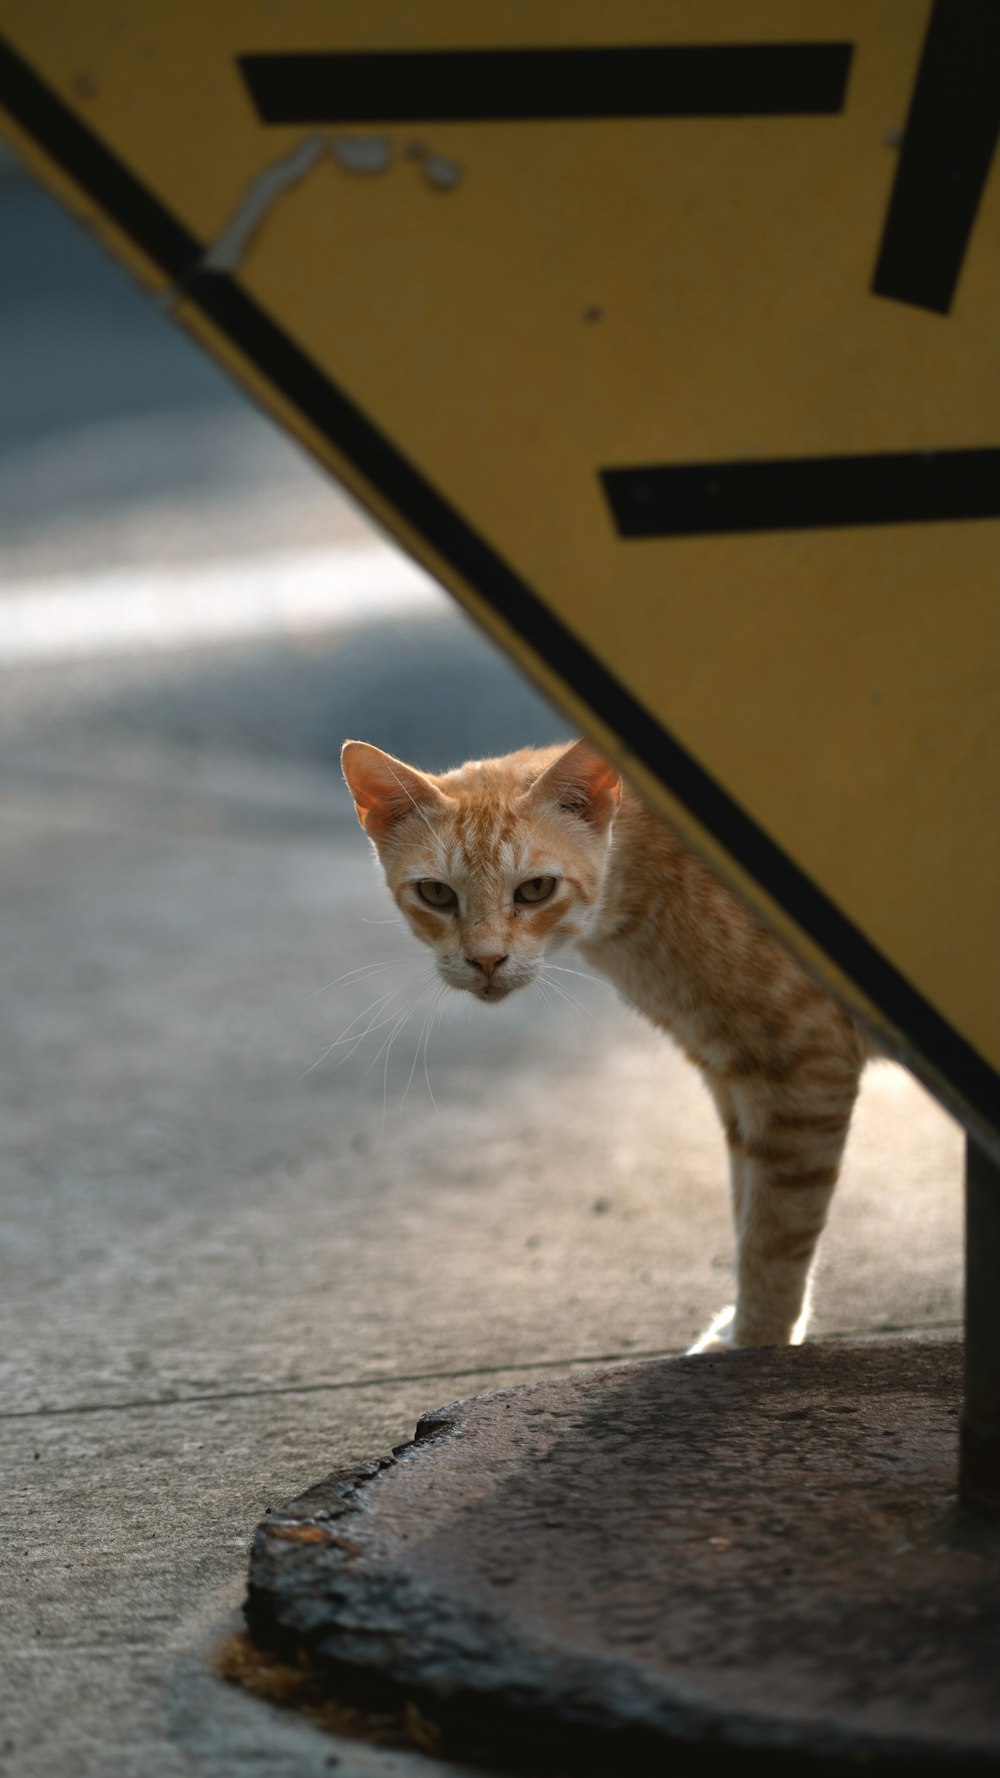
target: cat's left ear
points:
(582, 782)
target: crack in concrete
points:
(141, 1404)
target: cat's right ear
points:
(384, 789)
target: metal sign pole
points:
(979, 1451)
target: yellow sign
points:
(666, 336)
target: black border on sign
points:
(140, 215)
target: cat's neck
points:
(663, 918)
(648, 871)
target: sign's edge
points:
(951, 1066)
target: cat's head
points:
(495, 864)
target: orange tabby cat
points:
(499, 863)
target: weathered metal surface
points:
(759, 1552)
(979, 1445)
(603, 310)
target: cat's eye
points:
(535, 889)
(437, 895)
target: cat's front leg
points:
(786, 1141)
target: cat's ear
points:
(384, 789)
(583, 783)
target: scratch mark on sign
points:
(438, 170)
(362, 154)
(442, 173)
(355, 154)
(229, 246)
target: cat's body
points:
(497, 864)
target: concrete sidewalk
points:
(233, 1262)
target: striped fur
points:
(781, 1059)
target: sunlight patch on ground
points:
(183, 605)
(889, 1081)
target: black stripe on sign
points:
(803, 493)
(951, 137)
(325, 407)
(472, 85)
(80, 154)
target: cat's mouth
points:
(492, 987)
(493, 990)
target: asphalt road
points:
(239, 1251)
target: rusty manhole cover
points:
(753, 1552)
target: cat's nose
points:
(486, 964)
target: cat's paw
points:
(722, 1335)
(718, 1335)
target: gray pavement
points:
(234, 1257)
(231, 1265)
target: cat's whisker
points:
(400, 1025)
(394, 1015)
(346, 1036)
(584, 975)
(542, 995)
(570, 999)
(435, 1005)
(362, 969)
(413, 1066)
(397, 1020)
(349, 1036)
(386, 1048)
(411, 982)
(374, 1007)
(416, 1053)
